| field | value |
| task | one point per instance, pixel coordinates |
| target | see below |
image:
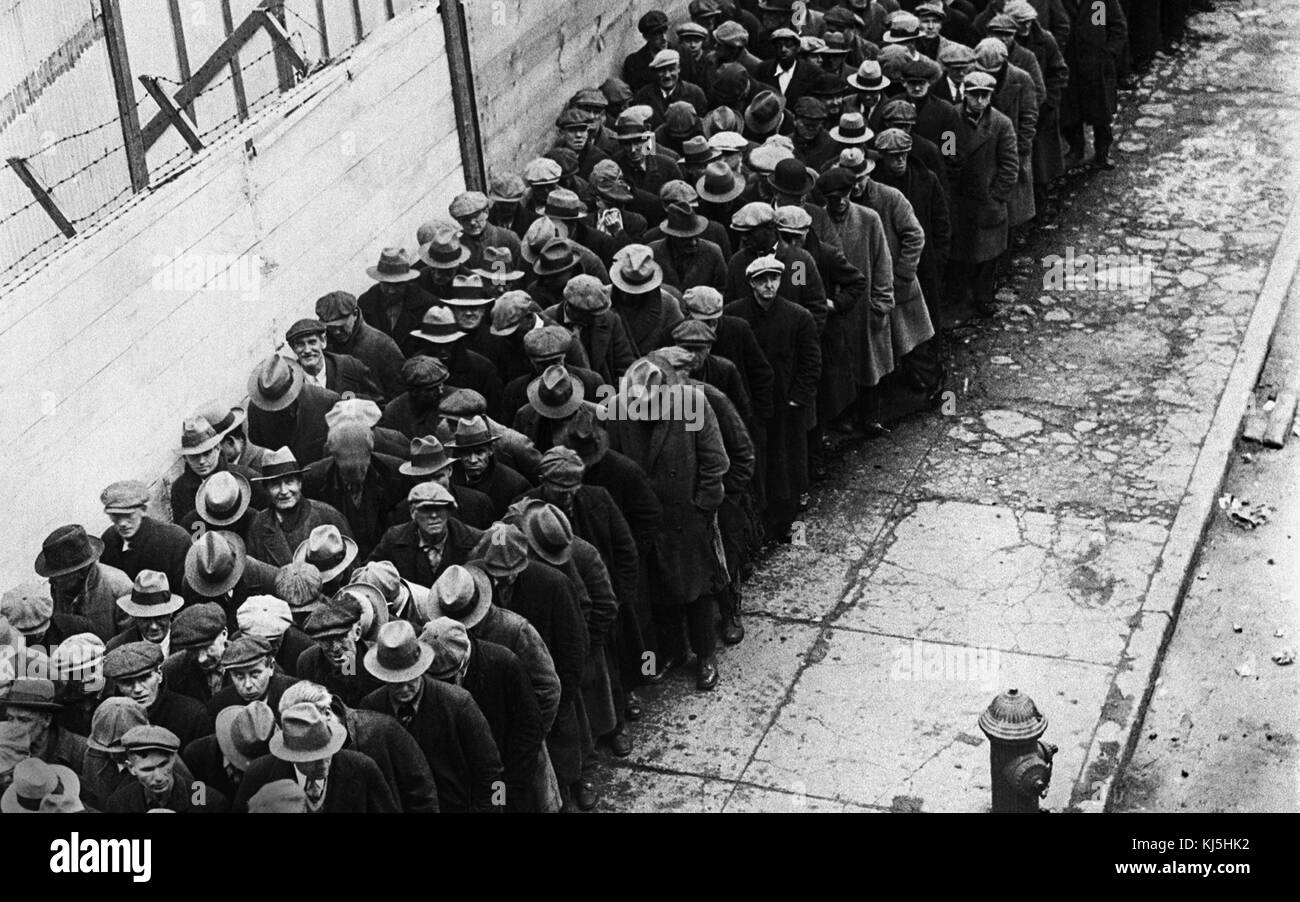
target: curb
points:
(1115, 740)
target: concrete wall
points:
(530, 56)
(103, 353)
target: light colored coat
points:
(909, 320)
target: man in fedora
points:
(32, 702)
(445, 721)
(718, 190)
(470, 211)
(643, 166)
(684, 259)
(277, 531)
(286, 411)
(223, 502)
(553, 397)
(243, 734)
(443, 339)
(137, 541)
(150, 605)
(152, 752)
(135, 671)
(308, 750)
(869, 84)
(402, 597)
(334, 557)
(471, 298)
(498, 683)
(636, 70)
(335, 660)
(788, 336)
(340, 373)
(683, 192)
(395, 304)
(546, 346)
(430, 462)
(198, 641)
(248, 665)
(766, 116)
(79, 583)
(432, 541)
(38, 786)
(362, 484)
(414, 412)
(568, 212)
(219, 570)
(346, 332)
(587, 313)
(200, 449)
(476, 466)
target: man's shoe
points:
(670, 663)
(708, 676)
(620, 743)
(732, 629)
(585, 795)
(1101, 164)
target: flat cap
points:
(548, 341)
(665, 58)
(692, 30)
(124, 496)
(334, 618)
(278, 797)
(28, 607)
(728, 142)
(587, 293)
(423, 371)
(590, 97)
(245, 650)
(430, 494)
(783, 34)
(299, 583)
(1020, 11)
(893, 140)
(467, 203)
(979, 81)
(264, 616)
(505, 187)
(694, 332)
(81, 656)
(572, 117)
(836, 180)
(762, 265)
(150, 738)
(304, 327)
(511, 310)
(733, 34)
(561, 466)
(1001, 23)
(132, 660)
(752, 215)
(542, 171)
(616, 90)
(792, 218)
(809, 108)
(921, 67)
(898, 111)
(450, 643)
(990, 54)
(651, 22)
(703, 301)
(335, 306)
(956, 54)
(764, 157)
(462, 403)
(197, 626)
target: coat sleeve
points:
(1056, 74)
(604, 603)
(760, 375)
(541, 674)
(379, 798)
(623, 568)
(482, 755)
(524, 745)
(808, 363)
(620, 347)
(1008, 165)
(1026, 121)
(710, 457)
(911, 239)
(738, 444)
(940, 223)
(812, 294)
(844, 281)
(415, 788)
(570, 636)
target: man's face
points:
(956, 71)
(761, 238)
(127, 524)
(786, 51)
(142, 689)
(693, 44)
(791, 239)
(38, 725)
(405, 693)
(392, 291)
(442, 477)
(930, 26)
(575, 138)
(699, 354)
(154, 629)
(70, 584)
(340, 330)
(474, 224)
(638, 150)
(310, 350)
(285, 493)
(232, 445)
(657, 40)
(895, 163)
(252, 680)
(209, 657)
(154, 770)
(977, 102)
(203, 465)
(1006, 37)
(340, 650)
(431, 519)
(838, 202)
(468, 318)
(869, 99)
(766, 285)
(560, 495)
(474, 462)
(806, 128)
(916, 87)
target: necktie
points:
(406, 715)
(234, 774)
(434, 556)
(315, 790)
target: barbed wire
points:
(17, 263)
(81, 134)
(76, 172)
(108, 203)
(16, 213)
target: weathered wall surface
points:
(104, 353)
(530, 56)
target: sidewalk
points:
(1024, 540)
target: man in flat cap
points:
(756, 223)
(278, 531)
(151, 755)
(335, 660)
(414, 412)
(587, 312)
(341, 373)
(30, 610)
(668, 88)
(470, 211)
(134, 670)
(576, 130)
(198, 641)
(430, 462)
(432, 541)
(77, 668)
(698, 337)
(347, 332)
(150, 605)
(248, 665)
(445, 721)
(137, 541)
(787, 74)
(636, 66)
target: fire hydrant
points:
(1021, 765)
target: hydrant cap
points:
(1012, 717)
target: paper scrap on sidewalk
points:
(1284, 657)
(1244, 514)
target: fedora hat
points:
(328, 550)
(34, 694)
(278, 464)
(223, 498)
(556, 393)
(244, 732)
(502, 551)
(398, 655)
(394, 266)
(498, 266)
(439, 326)
(197, 437)
(565, 204)
(151, 596)
(681, 222)
(306, 735)
(791, 177)
(903, 27)
(869, 77)
(67, 550)
(555, 257)
(223, 417)
(467, 291)
(472, 432)
(548, 532)
(635, 270)
(719, 184)
(371, 601)
(274, 384)
(586, 436)
(33, 781)
(215, 562)
(443, 250)
(852, 129)
(763, 115)
(462, 593)
(697, 151)
(428, 456)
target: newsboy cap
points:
(586, 293)
(665, 58)
(429, 494)
(752, 216)
(197, 626)
(694, 333)
(150, 738)
(731, 33)
(304, 327)
(124, 496)
(245, 651)
(893, 140)
(979, 81)
(561, 466)
(703, 302)
(132, 660)
(334, 618)
(651, 22)
(423, 371)
(28, 607)
(548, 341)
(264, 616)
(761, 265)
(335, 306)
(956, 54)
(467, 203)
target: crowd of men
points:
(455, 525)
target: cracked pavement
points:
(1011, 543)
